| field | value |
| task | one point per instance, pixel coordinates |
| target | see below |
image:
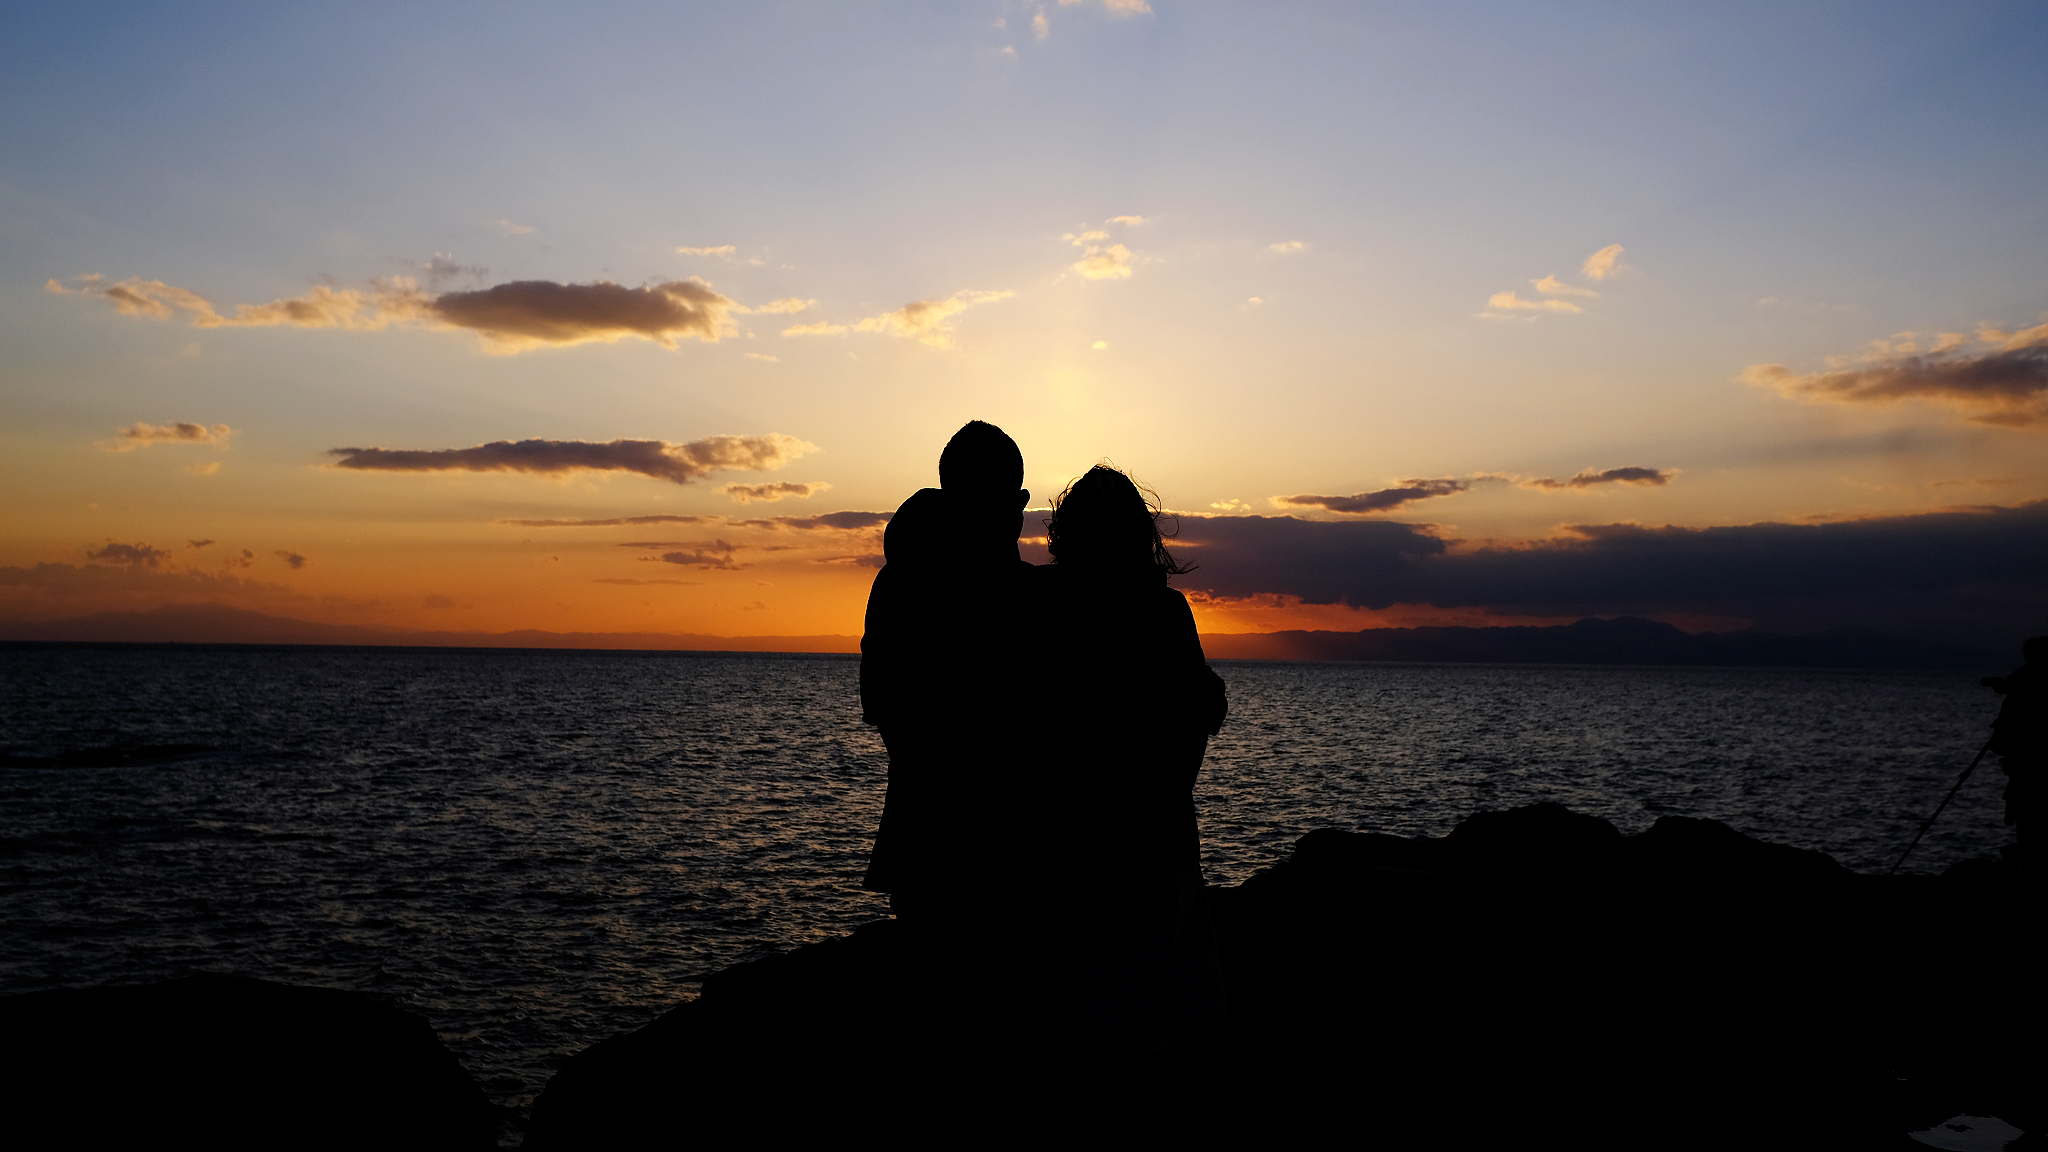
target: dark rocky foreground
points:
(225, 1062)
(1533, 979)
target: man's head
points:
(981, 460)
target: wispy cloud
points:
(2005, 383)
(770, 493)
(132, 555)
(676, 463)
(1508, 302)
(1284, 247)
(1384, 500)
(1552, 286)
(614, 521)
(1604, 263)
(442, 267)
(1040, 26)
(720, 250)
(1128, 221)
(849, 521)
(1510, 306)
(293, 559)
(510, 317)
(140, 435)
(926, 321)
(705, 554)
(788, 305)
(1118, 7)
(1594, 478)
(508, 228)
(1101, 259)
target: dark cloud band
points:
(1979, 568)
(676, 463)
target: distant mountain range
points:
(1628, 640)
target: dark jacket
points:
(944, 660)
(1132, 705)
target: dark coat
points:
(1132, 705)
(944, 660)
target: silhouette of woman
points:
(1135, 706)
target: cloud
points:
(1284, 247)
(1955, 574)
(442, 268)
(133, 555)
(1512, 302)
(763, 356)
(618, 580)
(196, 544)
(1383, 500)
(293, 559)
(510, 317)
(1040, 27)
(676, 463)
(1119, 7)
(1604, 263)
(134, 580)
(1128, 221)
(437, 602)
(1593, 478)
(1552, 286)
(1105, 263)
(926, 321)
(838, 521)
(510, 229)
(790, 305)
(721, 250)
(770, 493)
(2005, 384)
(834, 521)
(613, 522)
(530, 313)
(708, 554)
(206, 469)
(140, 435)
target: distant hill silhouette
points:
(1627, 640)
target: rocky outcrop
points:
(1533, 978)
(221, 1062)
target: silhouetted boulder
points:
(1534, 977)
(225, 1062)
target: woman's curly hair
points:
(1106, 520)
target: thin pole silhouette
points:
(1929, 822)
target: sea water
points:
(537, 849)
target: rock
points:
(227, 1062)
(1534, 977)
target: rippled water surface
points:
(535, 850)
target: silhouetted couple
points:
(1045, 726)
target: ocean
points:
(537, 849)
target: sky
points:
(625, 317)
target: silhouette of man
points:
(940, 673)
(2020, 737)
